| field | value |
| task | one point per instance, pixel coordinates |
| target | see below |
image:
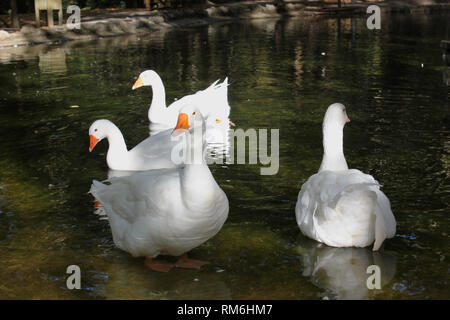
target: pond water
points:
(283, 74)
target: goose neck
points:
(158, 104)
(333, 149)
(196, 176)
(117, 146)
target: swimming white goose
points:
(152, 153)
(338, 206)
(212, 102)
(166, 211)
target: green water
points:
(279, 79)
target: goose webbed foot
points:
(185, 262)
(158, 265)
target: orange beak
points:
(138, 84)
(348, 120)
(182, 124)
(93, 142)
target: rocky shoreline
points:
(141, 22)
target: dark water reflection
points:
(283, 74)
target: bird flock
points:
(167, 207)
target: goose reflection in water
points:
(342, 272)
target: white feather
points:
(342, 207)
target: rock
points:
(144, 23)
(264, 11)
(100, 28)
(127, 26)
(4, 35)
(34, 35)
(211, 11)
(224, 10)
(113, 26)
(157, 19)
(28, 28)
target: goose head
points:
(99, 130)
(333, 127)
(146, 78)
(336, 115)
(190, 119)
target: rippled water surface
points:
(283, 74)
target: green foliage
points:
(66, 3)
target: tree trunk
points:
(14, 16)
(147, 4)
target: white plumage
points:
(342, 207)
(166, 211)
(151, 153)
(212, 103)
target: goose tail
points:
(96, 186)
(370, 200)
(385, 224)
(97, 190)
(222, 96)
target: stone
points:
(28, 28)
(4, 35)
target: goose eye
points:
(193, 113)
(95, 130)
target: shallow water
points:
(283, 74)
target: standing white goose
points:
(151, 153)
(338, 206)
(212, 102)
(166, 211)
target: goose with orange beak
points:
(338, 206)
(151, 153)
(166, 212)
(211, 102)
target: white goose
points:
(212, 102)
(338, 206)
(152, 153)
(166, 211)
